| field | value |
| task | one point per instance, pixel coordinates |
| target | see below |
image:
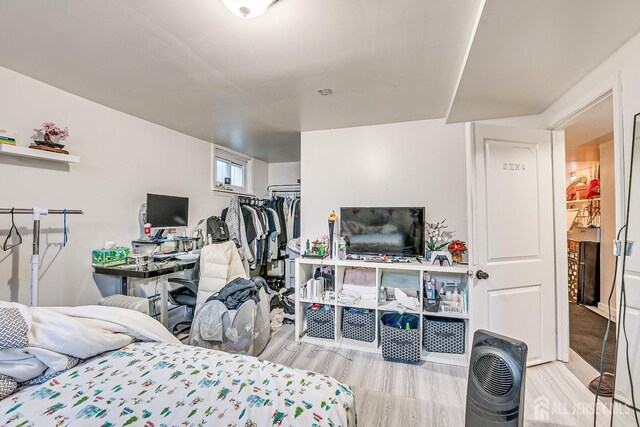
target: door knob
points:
(481, 275)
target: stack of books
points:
(7, 138)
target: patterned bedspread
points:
(155, 384)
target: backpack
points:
(217, 230)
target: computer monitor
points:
(167, 211)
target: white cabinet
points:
(305, 268)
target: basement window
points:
(230, 171)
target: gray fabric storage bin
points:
(443, 335)
(321, 323)
(400, 344)
(359, 326)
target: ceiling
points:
(251, 85)
(525, 54)
(591, 126)
(584, 133)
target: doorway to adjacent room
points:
(591, 227)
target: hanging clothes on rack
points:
(288, 209)
(253, 226)
(234, 218)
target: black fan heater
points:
(495, 391)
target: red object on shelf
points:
(593, 189)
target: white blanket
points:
(402, 302)
(79, 332)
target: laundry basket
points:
(321, 323)
(359, 326)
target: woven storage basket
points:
(359, 326)
(321, 323)
(443, 335)
(400, 344)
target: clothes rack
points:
(286, 193)
(283, 186)
(284, 189)
(251, 200)
(36, 214)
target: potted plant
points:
(50, 135)
(457, 248)
(436, 238)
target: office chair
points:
(186, 295)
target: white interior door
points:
(511, 187)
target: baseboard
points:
(604, 310)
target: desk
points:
(182, 244)
(153, 269)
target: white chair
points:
(245, 330)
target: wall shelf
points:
(579, 201)
(17, 151)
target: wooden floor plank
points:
(431, 394)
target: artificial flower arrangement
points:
(457, 248)
(436, 239)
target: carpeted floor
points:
(586, 330)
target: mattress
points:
(159, 384)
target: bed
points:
(161, 384)
(108, 366)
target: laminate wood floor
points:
(397, 395)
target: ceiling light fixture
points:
(325, 92)
(248, 8)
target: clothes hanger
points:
(7, 246)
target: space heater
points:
(495, 391)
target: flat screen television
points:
(167, 211)
(390, 230)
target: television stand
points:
(305, 269)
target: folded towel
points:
(360, 277)
(364, 290)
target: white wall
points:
(122, 158)
(420, 163)
(284, 173)
(260, 177)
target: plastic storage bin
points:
(400, 344)
(359, 326)
(321, 323)
(442, 335)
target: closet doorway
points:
(590, 195)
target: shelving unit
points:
(13, 150)
(305, 268)
(580, 201)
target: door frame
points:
(613, 91)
